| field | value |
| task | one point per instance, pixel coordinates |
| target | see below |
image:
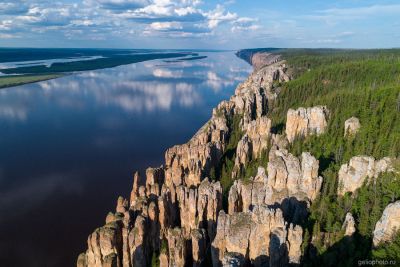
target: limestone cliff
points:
(176, 216)
(306, 121)
(261, 237)
(388, 225)
(360, 169)
(173, 211)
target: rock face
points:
(259, 60)
(306, 121)
(349, 225)
(188, 164)
(298, 176)
(360, 169)
(260, 236)
(291, 184)
(253, 143)
(351, 126)
(173, 210)
(388, 225)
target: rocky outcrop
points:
(253, 96)
(351, 126)
(173, 209)
(189, 163)
(232, 259)
(253, 143)
(388, 225)
(359, 170)
(177, 245)
(260, 236)
(291, 184)
(298, 176)
(199, 246)
(306, 121)
(259, 60)
(104, 246)
(349, 225)
(200, 206)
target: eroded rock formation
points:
(349, 225)
(260, 236)
(298, 176)
(259, 60)
(388, 225)
(351, 126)
(253, 143)
(173, 210)
(306, 121)
(291, 184)
(360, 169)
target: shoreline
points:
(30, 74)
(159, 200)
(17, 80)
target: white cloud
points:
(125, 19)
(239, 28)
(166, 25)
(245, 24)
(123, 4)
(5, 25)
(218, 15)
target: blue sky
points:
(199, 24)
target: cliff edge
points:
(201, 208)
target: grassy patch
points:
(15, 80)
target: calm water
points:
(68, 147)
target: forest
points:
(360, 83)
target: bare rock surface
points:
(349, 225)
(360, 169)
(259, 60)
(291, 184)
(174, 209)
(299, 176)
(306, 121)
(260, 236)
(253, 143)
(351, 126)
(388, 225)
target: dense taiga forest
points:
(360, 83)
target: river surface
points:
(69, 146)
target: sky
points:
(211, 24)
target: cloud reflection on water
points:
(22, 198)
(135, 88)
(68, 145)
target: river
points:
(69, 146)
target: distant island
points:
(29, 65)
(186, 59)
